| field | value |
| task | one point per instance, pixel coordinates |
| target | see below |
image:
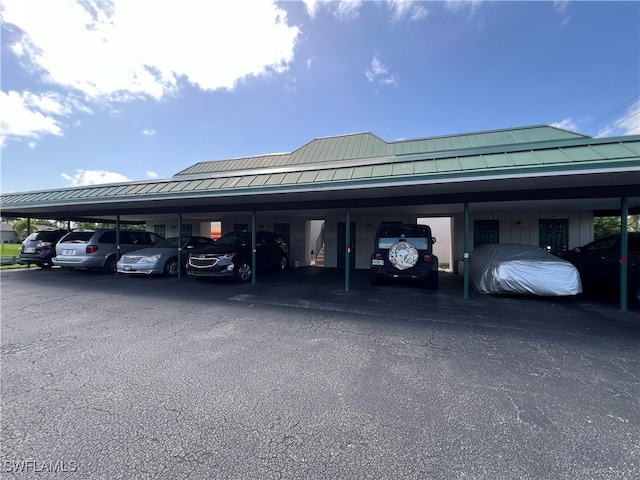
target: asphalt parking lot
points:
(110, 377)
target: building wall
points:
(514, 227)
(523, 227)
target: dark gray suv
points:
(40, 247)
(230, 256)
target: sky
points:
(106, 91)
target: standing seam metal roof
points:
(588, 154)
(367, 145)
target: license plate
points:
(127, 268)
(377, 262)
(68, 252)
(29, 250)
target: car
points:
(404, 251)
(84, 249)
(40, 247)
(599, 264)
(510, 268)
(230, 256)
(161, 258)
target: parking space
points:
(162, 378)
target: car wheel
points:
(634, 290)
(171, 268)
(243, 272)
(284, 263)
(374, 277)
(111, 265)
(432, 280)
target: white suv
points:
(91, 249)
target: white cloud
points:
(343, 9)
(149, 132)
(413, 10)
(28, 115)
(126, 49)
(93, 177)
(152, 174)
(410, 9)
(566, 124)
(562, 6)
(378, 73)
(628, 124)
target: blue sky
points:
(111, 91)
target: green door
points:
(342, 237)
(553, 235)
(485, 231)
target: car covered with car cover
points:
(231, 256)
(404, 251)
(507, 268)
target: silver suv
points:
(91, 249)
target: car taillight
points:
(427, 258)
(378, 256)
(92, 248)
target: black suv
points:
(40, 247)
(404, 251)
(599, 264)
(230, 256)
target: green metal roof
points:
(568, 156)
(367, 145)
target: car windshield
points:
(169, 243)
(419, 237)
(235, 238)
(77, 237)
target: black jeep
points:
(404, 251)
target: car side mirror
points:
(433, 239)
(577, 249)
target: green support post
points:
(179, 245)
(466, 251)
(253, 247)
(347, 252)
(624, 252)
(117, 237)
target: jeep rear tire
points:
(431, 282)
(403, 255)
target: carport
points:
(538, 168)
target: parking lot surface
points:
(112, 377)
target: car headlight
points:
(228, 256)
(150, 259)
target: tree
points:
(20, 226)
(603, 226)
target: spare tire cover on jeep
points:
(403, 255)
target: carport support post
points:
(624, 251)
(253, 247)
(466, 250)
(347, 252)
(117, 237)
(28, 233)
(179, 245)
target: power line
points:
(622, 120)
(617, 110)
